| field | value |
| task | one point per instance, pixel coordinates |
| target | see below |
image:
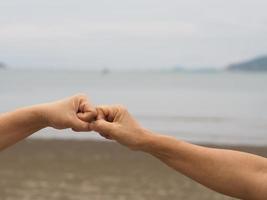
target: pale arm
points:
(17, 125)
(62, 114)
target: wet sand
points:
(58, 169)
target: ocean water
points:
(223, 108)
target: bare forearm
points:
(17, 125)
(229, 172)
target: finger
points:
(107, 112)
(87, 106)
(87, 116)
(106, 136)
(100, 114)
(84, 104)
(79, 125)
(103, 127)
(78, 99)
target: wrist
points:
(147, 140)
(154, 143)
(39, 113)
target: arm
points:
(19, 124)
(233, 173)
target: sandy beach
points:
(67, 169)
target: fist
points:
(67, 113)
(116, 123)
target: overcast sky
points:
(131, 33)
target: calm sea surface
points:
(218, 108)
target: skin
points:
(62, 114)
(232, 173)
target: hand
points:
(65, 113)
(116, 123)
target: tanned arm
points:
(232, 173)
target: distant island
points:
(256, 64)
(194, 70)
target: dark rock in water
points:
(256, 64)
(2, 65)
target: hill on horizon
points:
(255, 64)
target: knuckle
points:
(122, 108)
(101, 107)
(92, 112)
(98, 110)
(81, 96)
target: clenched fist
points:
(116, 123)
(66, 113)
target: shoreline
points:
(249, 148)
(224, 143)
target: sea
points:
(217, 108)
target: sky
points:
(131, 34)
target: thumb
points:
(102, 126)
(87, 116)
(79, 125)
